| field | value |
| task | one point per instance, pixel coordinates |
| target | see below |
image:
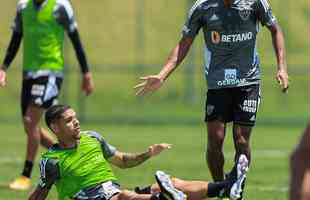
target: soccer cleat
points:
(20, 183)
(167, 188)
(236, 190)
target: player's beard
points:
(77, 134)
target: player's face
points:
(69, 125)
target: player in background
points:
(300, 169)
(232, 69)
(41, 24)
(79, 166)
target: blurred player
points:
(79, 166)
(41, 23)
(232, 69)
(300, 169)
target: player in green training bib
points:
(79, 166)
(41, 25)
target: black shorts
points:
(42, 91)
(102, 191)
(238, 105)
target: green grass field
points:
(124, 41)
(267, 179)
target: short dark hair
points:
(54, 113)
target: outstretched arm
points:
(177, 55)
(128, 160)
(279, 47)
(39, 194)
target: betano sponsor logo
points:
(240, 37)
(237, 37)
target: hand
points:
(149, 84)
(2, 78)
(156, 149)
(87, 83)
(282, 78)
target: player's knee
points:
(28, 123)
(30, 127)
(27, 120)
(215, 143)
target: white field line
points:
(10, 160)
(268, 188)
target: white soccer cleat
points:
(167, 188)
(236, 190)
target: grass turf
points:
(267, 178)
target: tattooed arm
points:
(128, 160)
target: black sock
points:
(158, 196)
(214, 189)
(232, 173)
(162, 197)
(143, 190)
(27, 168)
(155, 196)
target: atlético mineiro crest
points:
(245, 14)
(244, 7)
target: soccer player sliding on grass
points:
(79, 166)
